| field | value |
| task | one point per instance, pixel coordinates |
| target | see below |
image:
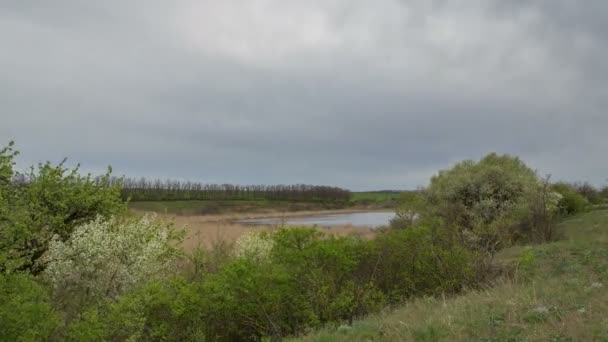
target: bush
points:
(14, 219)
(60, 199)
(571, 202)
(336, 275)
(487, 203)
(410, 206)
(105, 258)
(25, 311)
(310, 279)
(171, 310)
(48, 201)
(417, 261)
(249, 300)
(254, 245)
(589, 192)
(603, 192)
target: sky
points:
(358, 94)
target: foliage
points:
(543, 212)
(418, 261)
(249, 300)
(25, 310)
(571, 201)
(63, 199)
(48, 201)
(560, 293)
(7, 156)
(589, 192)
(107, 257)
(385, 199)
(487, 204)
(377, 196)
(410, 205)
(157, 190)
(14, 219)
(202, 261)
(335, 275)
(312, 279)
(254, 245)
(170, 310)
(307, 279)
(603, 192)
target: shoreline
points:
(207, 230)
(234, 216)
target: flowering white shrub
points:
(254, 245)
(107, 257)
(553, 200)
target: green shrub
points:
(411, 204)
(249, 300)
(490, 203)
(336, 275)
(25, 311)
(105, 258)
(416, 261)
(59, 199)
(14, 218)
(603, 193)
(90, 326)
(311, 279)
(171, 310)
(589, 192)
(49, 200)
(571, 202)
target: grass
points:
(556, 292)
(197, 207)
(378, 196)
(364, 200)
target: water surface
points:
(364, 219)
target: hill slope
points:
(556, 292)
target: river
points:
(360, 219)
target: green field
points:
(196, 207)
(553, 292)
(378, 196)
(370, 200)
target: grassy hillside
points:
(554, 292)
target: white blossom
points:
(254, 245)
(107, 257)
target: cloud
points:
(358, 94)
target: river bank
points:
(207, 230)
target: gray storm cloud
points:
(359, 94)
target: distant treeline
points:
(170, 190)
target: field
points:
(360, 200)
(196, 207)
(378, 196)
(553, 292)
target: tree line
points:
(143, 189)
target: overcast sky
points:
(355, 93)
